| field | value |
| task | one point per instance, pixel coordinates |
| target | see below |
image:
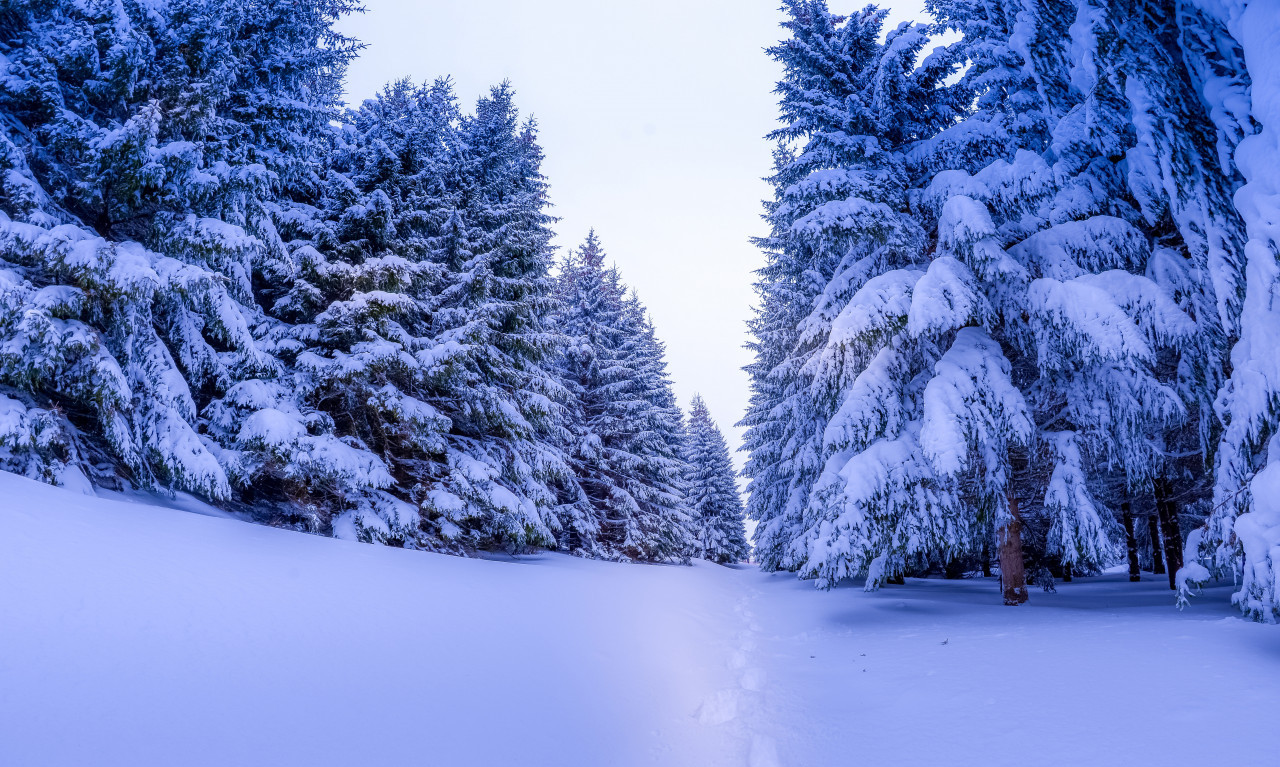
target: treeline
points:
(1017, 306)
(214, 279)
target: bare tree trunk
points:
(1172, 532)
(1157, 559)
(1131, 540)
(986, 560)
(1066, 572)
(1013, 575)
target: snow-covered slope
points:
(137, 635)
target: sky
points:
(653, 116)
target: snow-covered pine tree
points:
(279, 69)
(712, 489)
(625, 427)
(424, 298)
(359, 300)
(498, 390)
(1044, 329)
(821, 58)
(140, 167)
(1108, 243)
(1074, 318)
(838, 480)
(1144, 66)
(1233, 55)
(658, 433)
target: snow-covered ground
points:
(137, 635)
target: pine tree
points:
(137, 208)
(625, 444)
(499, 391)
(421, 309)
(836, 223)
(1234, 64)
(845, 401)
(1056, 237)
(713, 489)
(359, 304)
(1148, 62)
(1024, 311)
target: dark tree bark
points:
(1172, 532)
(1131, 541)
(986, 560)
(1013, 574)
(1066, 572)
(1157, 559)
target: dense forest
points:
(1018, 307)
(1017, 312)
(216, 279)
(321, 444)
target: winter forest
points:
(346, 322)
(1017, 328)
(1019, 297)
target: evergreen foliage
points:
(214, 280)
(143, 152)
(1000, 286)
(1013, 284)
(713, 489)
(626, 440)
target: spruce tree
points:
(1059, 241)
(1232, 50)
(712, 489)
(138, 224)
(828, 164)
(625, 427)
(842, 398)
(421, 310)
(1026, 309)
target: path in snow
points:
(134, 635)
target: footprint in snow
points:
(719, 708)
(752, 679)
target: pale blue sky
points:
(652, 116)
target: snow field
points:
(137, 635)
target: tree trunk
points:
(1170, 529)
(986, 560)
(1013, 575)
(1157, 559)
(1131, 540)
(1066, 572)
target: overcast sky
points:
(652, 115)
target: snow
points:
(970, 400)
(937, 672)
(945, 298)
(1259, 536)
(879, 304)
(272, 427)
(138, 635)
